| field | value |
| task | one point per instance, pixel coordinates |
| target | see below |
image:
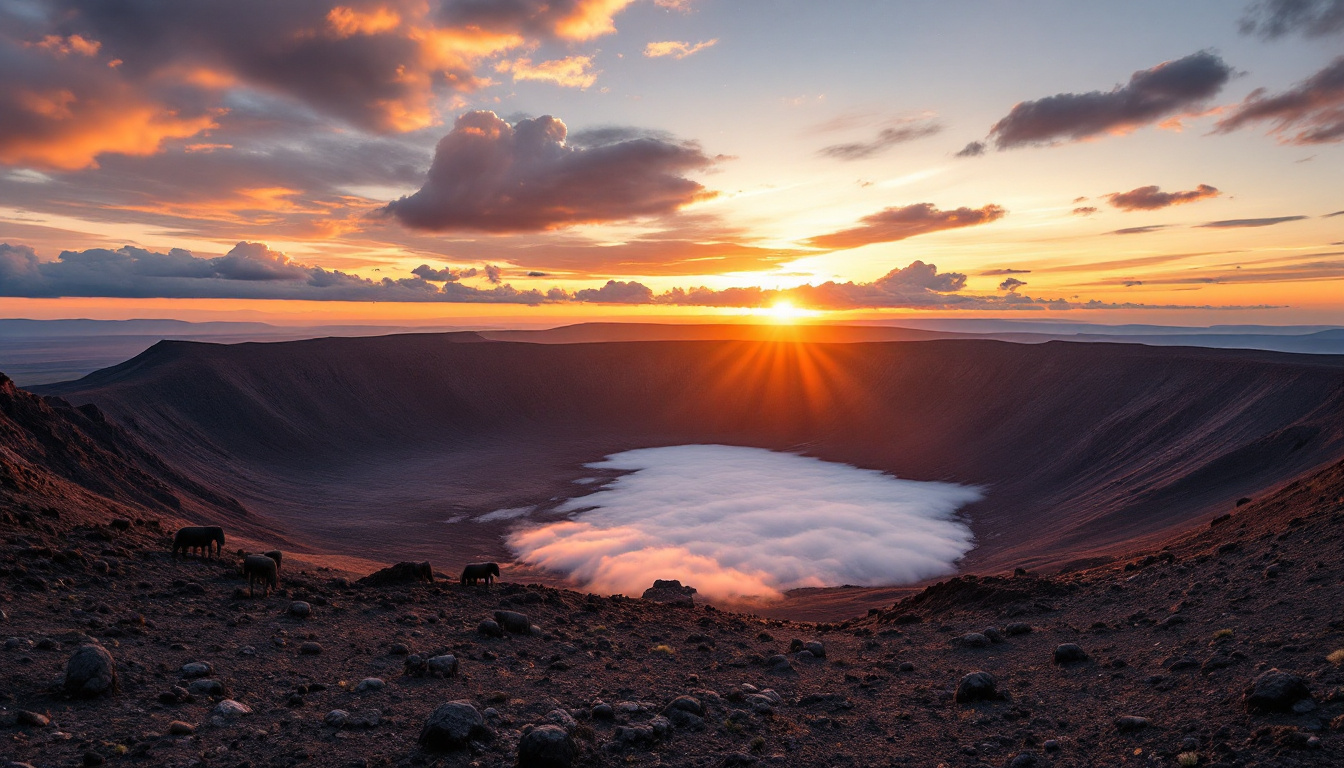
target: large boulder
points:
(401, 573)
(514, 622)
(977, 686)
(91, 672)
(670, 591)
(1275, 691)
(547, 746)
(453, 726)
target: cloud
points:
(248, 271)
(1084, 210)
(1152, 198)
(1333, 215)
(448, 275)
(894, 224)
(1271, 19)
(974, 149)
(493, 274)
(676, 49)
(617, 292)
(1241, 223)
(1169, 90)
(998, 272)
(740, 522)
(886, 138)
(1311, 112)
(1011, 284)
(1140, 230)
(490, 176)
(569, 72)
(575, 20)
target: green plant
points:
(1188, 759)
(1222, 634)
(1336, 657)
(758, 744)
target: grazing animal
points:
(475, 572)
(275, 555)
(260, 568)
(196, 537)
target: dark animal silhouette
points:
(475, 572)
(275, 555)
(196, 537)
(260, 568)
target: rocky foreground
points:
(1225, 648)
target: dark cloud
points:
(492, 274)
(1011, 284)
(535, 273)
(1333, 215)
(1169, 90)
(894, 224)
(1140, 230)
(490, 176)
(974, 149)
(886, 139)
(1152, 198)
(1311, 112)
(617, 292)
(1240, 223)
(248, 271)
(999, 272)
(445, 275)
(1270, 19)
(1084, 210)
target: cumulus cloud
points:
(748, 523)
(892, 224)
(676, 48)
(1242, 223)
(1171, 89)
(247, 271)
(1011, 284)
(885, 139)
(449, 275)
(491, 176)
(1270, 19)
(1311, 112)
(1151, 198)
(617, 292)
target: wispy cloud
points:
(1152, 198)
(1242, 223)
(676, 48)
(893, 224)
(569, 72)
(886, 138)
(1311, 112)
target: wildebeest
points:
(261, 568)
(275, 555)
(475, 572)
(196, 537)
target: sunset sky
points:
(524, 160)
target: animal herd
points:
(264, 568)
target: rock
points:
(401, 573)
(310, 648)
(687, 704)
(300, 609)
(32, 719)
(1051, 745)
(398, 649)
(1017, 628)
(92, 758)
(196, 669)
(603, 711)
(670, 591)
(1023, 760)
(563, 719)
(907, 666)
(513, 622)
(994, 635)
(737, 760)
(370, 685)
(229, 708)
(816, 648)
(90, 672)
(336, 718)
(443, 666)
(662, 727)
(206, 688)
(490, 628)
(364, 718)
(972, 640)
(1275, 691)
(453, 726)
(1130, 723)
(977, 686)
(179, 728)
(1069, 653)
(547, 746)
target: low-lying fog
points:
(740, 522)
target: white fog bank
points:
(749, 523)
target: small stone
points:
(300, 610)
(90, 672)
(32, 719)
(310, 648)
(603, 711)
(1069, 653)
(547, 746)
(398, 649)
(1017, 628)
(816, 648)
(907, 666)
(443, 666)
(1130, 723)
(994, 635)
(452, 726)
(514, 622)
(179, 728)
(977, 686)
(206, 688)
(490, 628)
(370, 684)
(1189, 744)
(687, 704)
(561, 718)
(1051, 745)
(1023, 760)
(229, 708)
(1275, 691)
(92, 758)
(196, 669)
(336, 718)
(972, 640)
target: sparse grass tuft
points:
(1336, 657)
(1222, 634)
(758, 744)
(669, 650)
(1187, 759)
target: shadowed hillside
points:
(368, 445)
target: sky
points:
(533, 160)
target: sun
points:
(784, 311)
